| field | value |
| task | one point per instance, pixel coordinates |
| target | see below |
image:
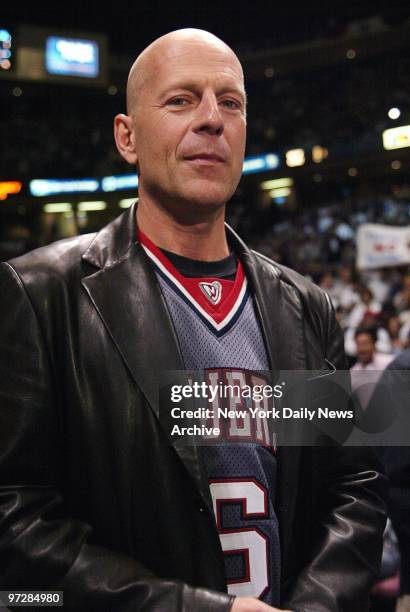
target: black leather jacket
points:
(94, 500)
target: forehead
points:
(364, 337)
(196, 60)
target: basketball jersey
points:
(218, 332)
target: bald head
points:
(166, 47)
(185, 127)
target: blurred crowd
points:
(331, 107)
(61, 132)
(377, 300)
(321, 244)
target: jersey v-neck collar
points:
(217, 301)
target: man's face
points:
(189, 126)
(365, 348)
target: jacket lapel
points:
(125, 292)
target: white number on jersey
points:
(249, 542)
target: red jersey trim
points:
(233, 292)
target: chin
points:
(208, 196)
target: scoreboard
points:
(30, 53)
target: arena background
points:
(324, 82)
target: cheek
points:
(165, 143)
(169, 130)
(240, 130)
(238, 141)
(152, 138)
(238, 147)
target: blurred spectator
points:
(369, 322)
(329, 284)
(394, 327)
(379, 285)
(344, 290)
(369, 366)
(368, 358)
(365, 304)
(402, 298)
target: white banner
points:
(382, 245)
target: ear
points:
(124, 138)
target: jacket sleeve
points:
(396, 462)
(41, 547)
(393, 389)
(345, 558)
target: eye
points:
(231, 104)
(178, 101)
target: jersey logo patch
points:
(213, 291)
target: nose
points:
(208, 118)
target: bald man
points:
(98, 498)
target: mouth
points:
(205, 159)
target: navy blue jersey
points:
(218, 333)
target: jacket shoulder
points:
(317, 307)
(401, 362)
(57, 259)
(308, 291)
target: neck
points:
(365, 361)
(201, 237)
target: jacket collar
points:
(124, 290)
(112, 244)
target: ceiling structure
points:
(246, 26)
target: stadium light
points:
(396, 138)
(9, 187)
(394, 113)
(90, 206)
(5, 36)
(126, 202)
(319, 154)
(5, 49)
(114, 183)
(277, 183)
(260, 163)
(280, 193)
(58, 207)
(295, 157)
(46, 187)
